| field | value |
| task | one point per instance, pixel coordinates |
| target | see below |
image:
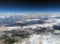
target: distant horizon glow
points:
(27, 13)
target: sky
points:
(13, 6)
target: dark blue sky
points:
(29, 6)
